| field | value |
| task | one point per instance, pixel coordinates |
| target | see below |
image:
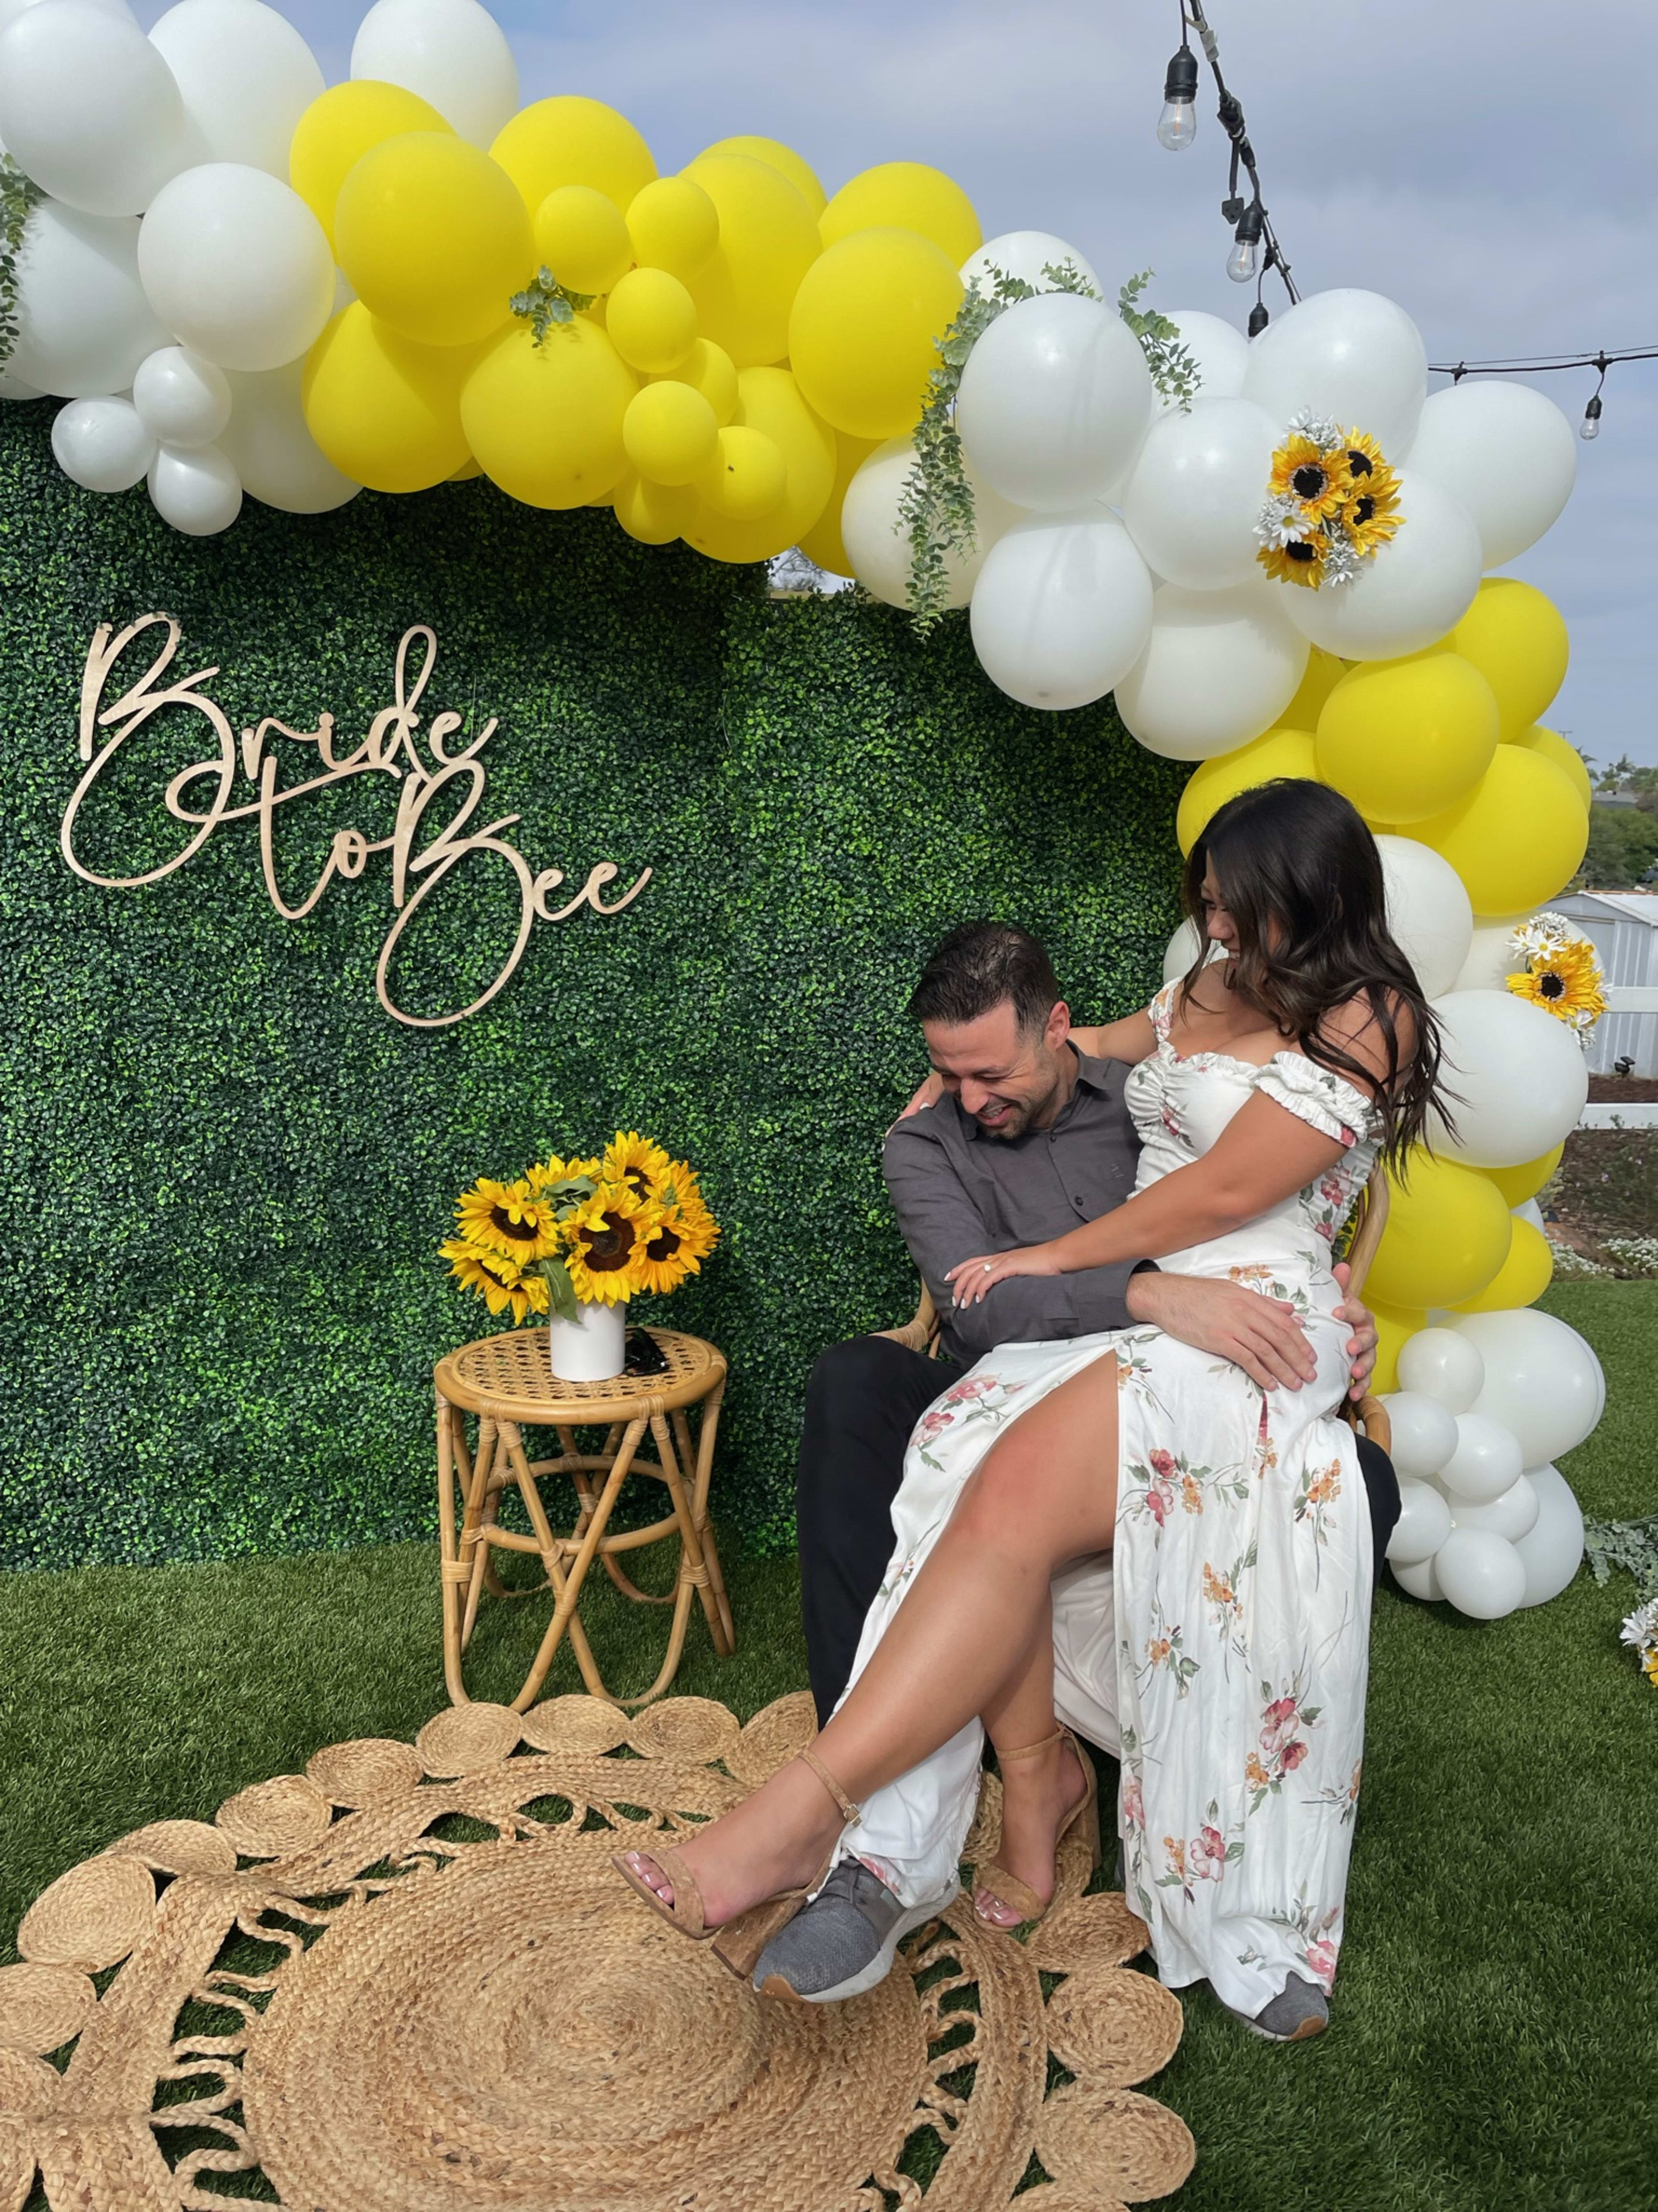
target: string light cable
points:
(1529, 364)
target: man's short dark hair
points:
(977, 967)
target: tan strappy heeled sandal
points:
(737, 1942)
(1006, 1888)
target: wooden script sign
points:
(448, 786)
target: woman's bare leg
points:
(1039, 1790)
(1045, 1492)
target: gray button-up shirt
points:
(957, 1192)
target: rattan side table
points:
(507, 1382)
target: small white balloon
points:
(1552, 1550)
(1423, 1431)
(1410, 593)
(1061, 608)
(1506, 452)
(1419, 1580)
(184, 398)
(237, 266)
(1512, 1516)
(1181, 951)
(102, 444)
(1487, 1459)
(1444, 1364)
(1532, 1212)
(452, 52)
(11, 10)
(83, 324)
(1429, 916)
(1194, 493)
(1218, 669)
(1491, 960)
(88, 109)
(271, 449)
(1424, 1523)
(877, 543)
(1520, 1079)
(246, 77)
(1352, 355)
(1054, 401)
(197, 492)
(1481, 1574)
(1541, 1380)
(1222, 354)
(1028, 255)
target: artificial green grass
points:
(1495, 2037)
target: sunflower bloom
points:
(633, 1159)
(1565, 982)
(684, 1237)
(1316, 479)
(507, 1219)
(497, 1280)
(1300, 561)
(603, 1241)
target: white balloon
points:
(1429, 916)
(102, 444)
(1061, 608)
(1218, 668)
(1424, 1523)
(1541, 1380)
(237, 266)
(1419, 1580)
(877, 543)
(1487, 1459)
(1221, 353)
(1352, 355)
(246, 77)
(184, 398)
(1481, 1574)
(1054, 400)
(1519, 1078)
(11, 10)
(1532, 1212)
(1424, 1433)
(1491, 958)
(83, 324)
(452, 52)
(197, 492)
(1026, 254)
(1194, 494)
(1507, 453)
(1552, 1550)
(1444, 1364)
(271, 449)
(18, 387)
(88, 109)
(1511, 1516)
(1182, 951)
(1410, 593)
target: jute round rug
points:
(407, 1981)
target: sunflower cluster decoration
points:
(578, 1232)
(1332, 503)
(1563, 972)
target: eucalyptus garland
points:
(1629, 1548)
(18, 195)
(547, 302)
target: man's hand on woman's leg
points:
(1257, 1334)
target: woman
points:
(1264, 1084)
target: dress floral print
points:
(1238, 1588)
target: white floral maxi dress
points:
(1241, 1578)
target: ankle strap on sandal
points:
(1030, 1750)
(849, 1812)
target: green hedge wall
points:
(228, 1168)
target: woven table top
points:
(510, 1377)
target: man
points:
(1030, 1138)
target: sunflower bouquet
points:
(1332, 503)
(570, 1233)
(1563, 972)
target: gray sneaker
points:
(1300, 2010)
(844, 1941)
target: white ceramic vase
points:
(590, 1348)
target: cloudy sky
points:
(1488, 163)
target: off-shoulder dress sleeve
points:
(1318, 1095)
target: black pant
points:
(862, 1401)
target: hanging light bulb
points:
(1591, 427)
(1243, 262)
(1177, 126)
(1259, 319)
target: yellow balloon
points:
(338, 128)
(651, 320)
(580, 236)
(768, 241)
(799, 172)
(1394, 1329)
(546, 420)
(1553, 747)
(769, 400)
(1280, 752)
(1448, 1233)
(1324, 672)
(1518, 839)
(571, 140)
(432, 238)
(653, 514)
(1523, 1278)
(906, 196)
(384, 411)
(862, 339)
(1518, 1184)
(710, 370)
(747, 477)
(1404, 739)
(1518, 642)
(675, 226)
(669, 433)
(822, 543)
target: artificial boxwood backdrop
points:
(227, 1168)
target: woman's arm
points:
(1131, 1040)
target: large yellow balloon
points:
(1448, 1233)
(384, 411)
(710, 370)
(822, 543)
(338, 128)
(675, 226)
(1517, 641)
(862, 339)
(1280, 752)
(1404, 739)
(1553, 747)
(1324, 672)
(653, 514)
(1518, 1184)
(669, 433)
(747, 477)
(651, 320)
(798, 171)
(768, 400)
(580, 236)
(432, 238)
(768, 241)
(546, 420)
(1518, 839)
(1393, 1330)
(1523, 1278)
(906, 196)
(571, 140)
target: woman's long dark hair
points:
(1296, 854)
